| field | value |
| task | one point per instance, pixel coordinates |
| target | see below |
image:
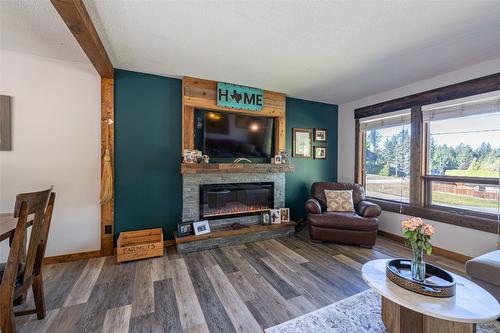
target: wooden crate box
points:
(140, 244)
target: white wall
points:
(453, 238)
(56, 141)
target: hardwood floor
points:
(244, 288)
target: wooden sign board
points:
(239, 97)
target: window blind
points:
(470, 108)
(397, 118)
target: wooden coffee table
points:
(404, 311)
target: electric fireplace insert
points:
(235, 199)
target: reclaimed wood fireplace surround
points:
(196, 93)
(202, 94)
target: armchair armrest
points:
(368, 209)
(313, 206)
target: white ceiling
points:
(35, 27)
(330, 51)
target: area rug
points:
(359, 313)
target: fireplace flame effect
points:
(233, 208)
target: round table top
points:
(471, 304)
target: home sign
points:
(239, 97)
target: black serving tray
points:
(437, 283)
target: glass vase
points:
(418, 264)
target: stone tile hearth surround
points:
(191, 193)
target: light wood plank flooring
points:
(244, 288)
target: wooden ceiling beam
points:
(76, 17)
(454, 91)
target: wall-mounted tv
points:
(230, 135)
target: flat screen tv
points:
(229, 135)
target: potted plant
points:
(418, 235)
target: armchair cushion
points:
(313, 206)
(343, 220)
(368, 209)
(339, 201)
(318, 191)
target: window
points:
(387, 156)
(436, 158)
(468, 196)
(464, 155)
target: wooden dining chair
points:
(10, 277)
(38, 294)
(29, 263)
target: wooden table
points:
(8, 225)
(404, 311)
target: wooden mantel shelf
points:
(199, 168)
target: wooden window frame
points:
(420, 182)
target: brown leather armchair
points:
(354, 228)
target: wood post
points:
(416, 157)
(107, 130)
(280, 135)
(188, 127)
(359, 153)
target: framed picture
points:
(265, 218)
(319, 153)
(284, 157)
(5, 124)
(184, 229)
(201, 227)
(302, 142)
(285, 214)
(320, 134)
(277, 159)
(191, 156)
(275, 216)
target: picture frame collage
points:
(302, 142)
(193, 228)
(281, 158)
(276, 216)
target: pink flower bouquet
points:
(418, 233)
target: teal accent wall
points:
(307, 114)
(148, 134)
(148, 125)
